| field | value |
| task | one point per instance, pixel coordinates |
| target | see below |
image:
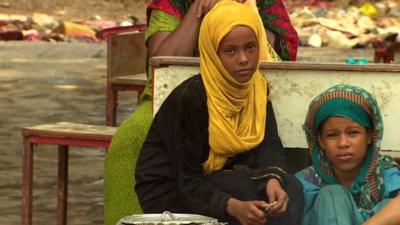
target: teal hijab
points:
(359, 105)
(342, 108)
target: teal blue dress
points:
(326, 201)
(323, 205)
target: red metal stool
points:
(63, 134)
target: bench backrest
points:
(126, 54)
(294, 85)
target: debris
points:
(346, 26)
(74, 30)
(315, 40)
(361, 61)
(99, 24)
(5, 4)
(319, 23)
(11, 35)
(44, 20)
(125, 23)
(31, 35)
(368, 10)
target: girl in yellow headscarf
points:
(213, 147)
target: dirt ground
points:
(42, 82)
(77, 10)
(117, 10)
(81, 10)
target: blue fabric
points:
(334, 205)
(391, 179)
(357, 104)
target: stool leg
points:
(111, 105)
(62, 191)
(27, 181)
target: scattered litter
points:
(353, 61)
(319, 23)
(42, 27)
(340, 24)
(77, 31)
(368, 10)
(5, 4)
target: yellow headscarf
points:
(237, 111)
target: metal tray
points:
(167, 218)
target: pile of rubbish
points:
(327, 23)
(48, 28)
(319, 23)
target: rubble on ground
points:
(319, 23)
(43, 27)
(338, 24)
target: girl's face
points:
(239, 53)
(345, 144)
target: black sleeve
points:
(155, 183)
(268, 159)
(271, 155)
(193, 150)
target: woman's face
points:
(345, 144)
(239, 53)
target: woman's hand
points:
(270, 37)
(183, 40)
(275, 193)
(247, 212)
(204, 6)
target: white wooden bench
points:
(294, 85)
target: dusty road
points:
(43, 82)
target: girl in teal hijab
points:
(349, 181)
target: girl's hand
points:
(276, 194)
(388, 215)
(247, 212)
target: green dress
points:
(119, 181)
